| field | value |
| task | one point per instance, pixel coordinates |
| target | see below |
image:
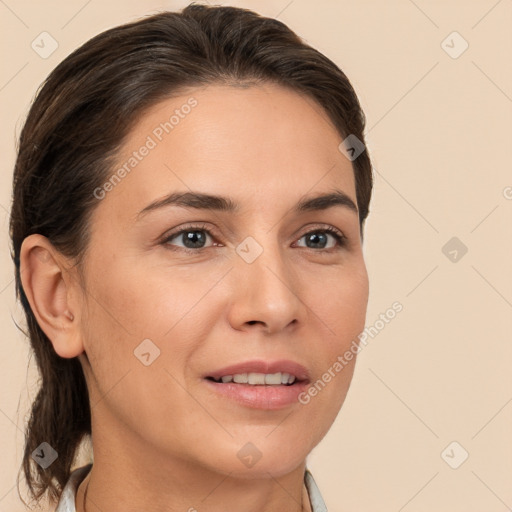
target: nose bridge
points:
(268, 290)
(262, 259)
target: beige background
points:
(440, 132)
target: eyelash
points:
(338, 236)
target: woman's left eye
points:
(320, 237)
(194, 239)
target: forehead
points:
(257, 143)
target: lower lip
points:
(260, 397)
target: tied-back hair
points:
(77, 123)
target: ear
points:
(52, 291)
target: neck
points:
(127, 482)
(98, 500)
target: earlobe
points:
(49, 288)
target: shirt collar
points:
(315, 498)
(67, 499)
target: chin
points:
(260, 457)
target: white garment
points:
(67, 499)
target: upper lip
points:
(262, 366)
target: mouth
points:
(259, 385)
(258, 379)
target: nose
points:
(266, 293)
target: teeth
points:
(258, 379)
(273, 378)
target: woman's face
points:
(263, 285)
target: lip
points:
(268, 397)
(262, 366)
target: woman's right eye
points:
(193, 239)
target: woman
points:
(189, 200)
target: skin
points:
(159, 433)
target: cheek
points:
(339, 305)
(138, 338)
(133, 303)
(145, 300)
(341, 302)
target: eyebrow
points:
(201, 201)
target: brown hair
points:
(78, 121)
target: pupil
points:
(314, 238)
(192, 238)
